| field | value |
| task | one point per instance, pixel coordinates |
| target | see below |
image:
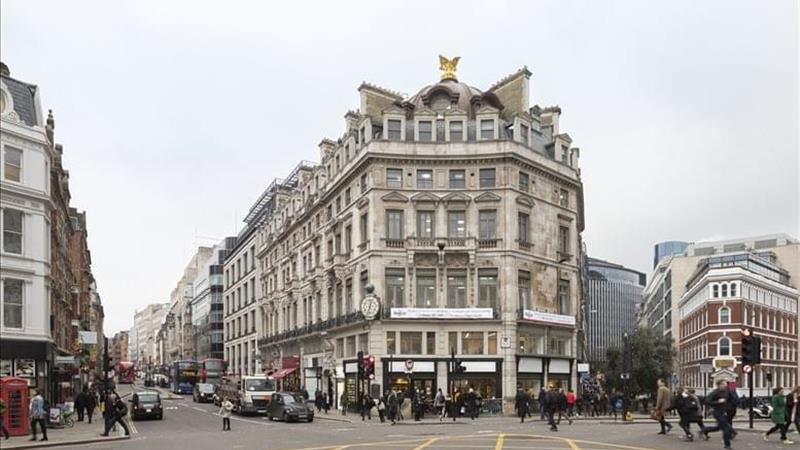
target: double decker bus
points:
(212, 370)
(184, 376)
(126, 372)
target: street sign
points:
(409, 364)
(706, 368)
(583, 367)
(747, 369)
(505, 342)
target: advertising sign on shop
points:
(539, 316)
(442, 313)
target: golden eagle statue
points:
(448, 67)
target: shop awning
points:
(281, 373)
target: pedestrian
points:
(531, 395)
(38, 415)
(380, 405)
(521, 404)
(793, 409)
(118, 411)
(304, 393)
(225, 409)
(80, 404)
(326, 404)
(542, 398)
(343, 403)
(570, 405)
(732, 406)
(662, 406)
(438, 403)
(718, 400)
(393, 406)
(416, 401)
(688, 407)
(778, 415)
(616, 404)
(91, 404)
(366, 406)
(318, 400)
(2, 416)
(562, 405)
(551, 402)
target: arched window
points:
(733, 289)
(724, 289)
(724, 347)
(714, 290)
(724, 315)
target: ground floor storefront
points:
(34, 362)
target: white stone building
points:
(464, 209)
(147, 322)
(26, 346)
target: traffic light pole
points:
(750, 382)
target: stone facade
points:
(463, 209)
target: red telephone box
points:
(14, 392)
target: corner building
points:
(463, 208)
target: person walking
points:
(438, 403)
(662, 406)
(688, 407)
(366, 406)
(118, 411)
(326, 404)
(551, 402)
(778, 415)
(225, 411)
(570, 404)
(793, 409)
(542, 398)
(80, 404)
(2, 416)
(38, 415)
(718, 400)
(393, 406)
(318, 400)
(380, 405)
(521, 404)
(731, 411)
(91, 404)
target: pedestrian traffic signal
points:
(360, 364)
(751, 348)
(369, 367)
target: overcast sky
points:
(175, 115)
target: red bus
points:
(126, 372)
(212, 370)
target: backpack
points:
(692, 404)
(618, 404)
(122, 410)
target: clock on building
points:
(370, 306)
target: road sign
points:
(706, 368)
(409, 364)
(747, 369)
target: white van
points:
(249, 394)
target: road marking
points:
(499, 444)
(572, 444)
(426, 444)
(198, 409)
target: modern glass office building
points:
(614, 293)
(668, 248)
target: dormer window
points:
(523, 132)
(487, 129)
(456, 130)
(394, 129)
(425, 130)
(362, 133)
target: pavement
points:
(198, 426)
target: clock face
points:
(370, 306)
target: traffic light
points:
(751, 348)
(360, 363)
(369, 367)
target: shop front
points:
(421, 375)
(530, 374)
(313, 376)
(30, 361)
(288, 376)
(483, 376)
(559, 373)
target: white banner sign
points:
(558, 319)
(442, 313)
(583, 367)
(88, 337)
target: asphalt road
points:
(189, 425)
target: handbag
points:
(656, 415)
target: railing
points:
(489, 243)
(322, 325)
(525, 245)
(394, 243)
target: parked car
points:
(146, 404)
(203, 392)
(289, 407)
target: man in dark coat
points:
(718, 400)
(688, 406)
(118, 411)
(80, 404)
(551, 404)
(521, 404)
(793, 409)
(393, 405)
(91, 404)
